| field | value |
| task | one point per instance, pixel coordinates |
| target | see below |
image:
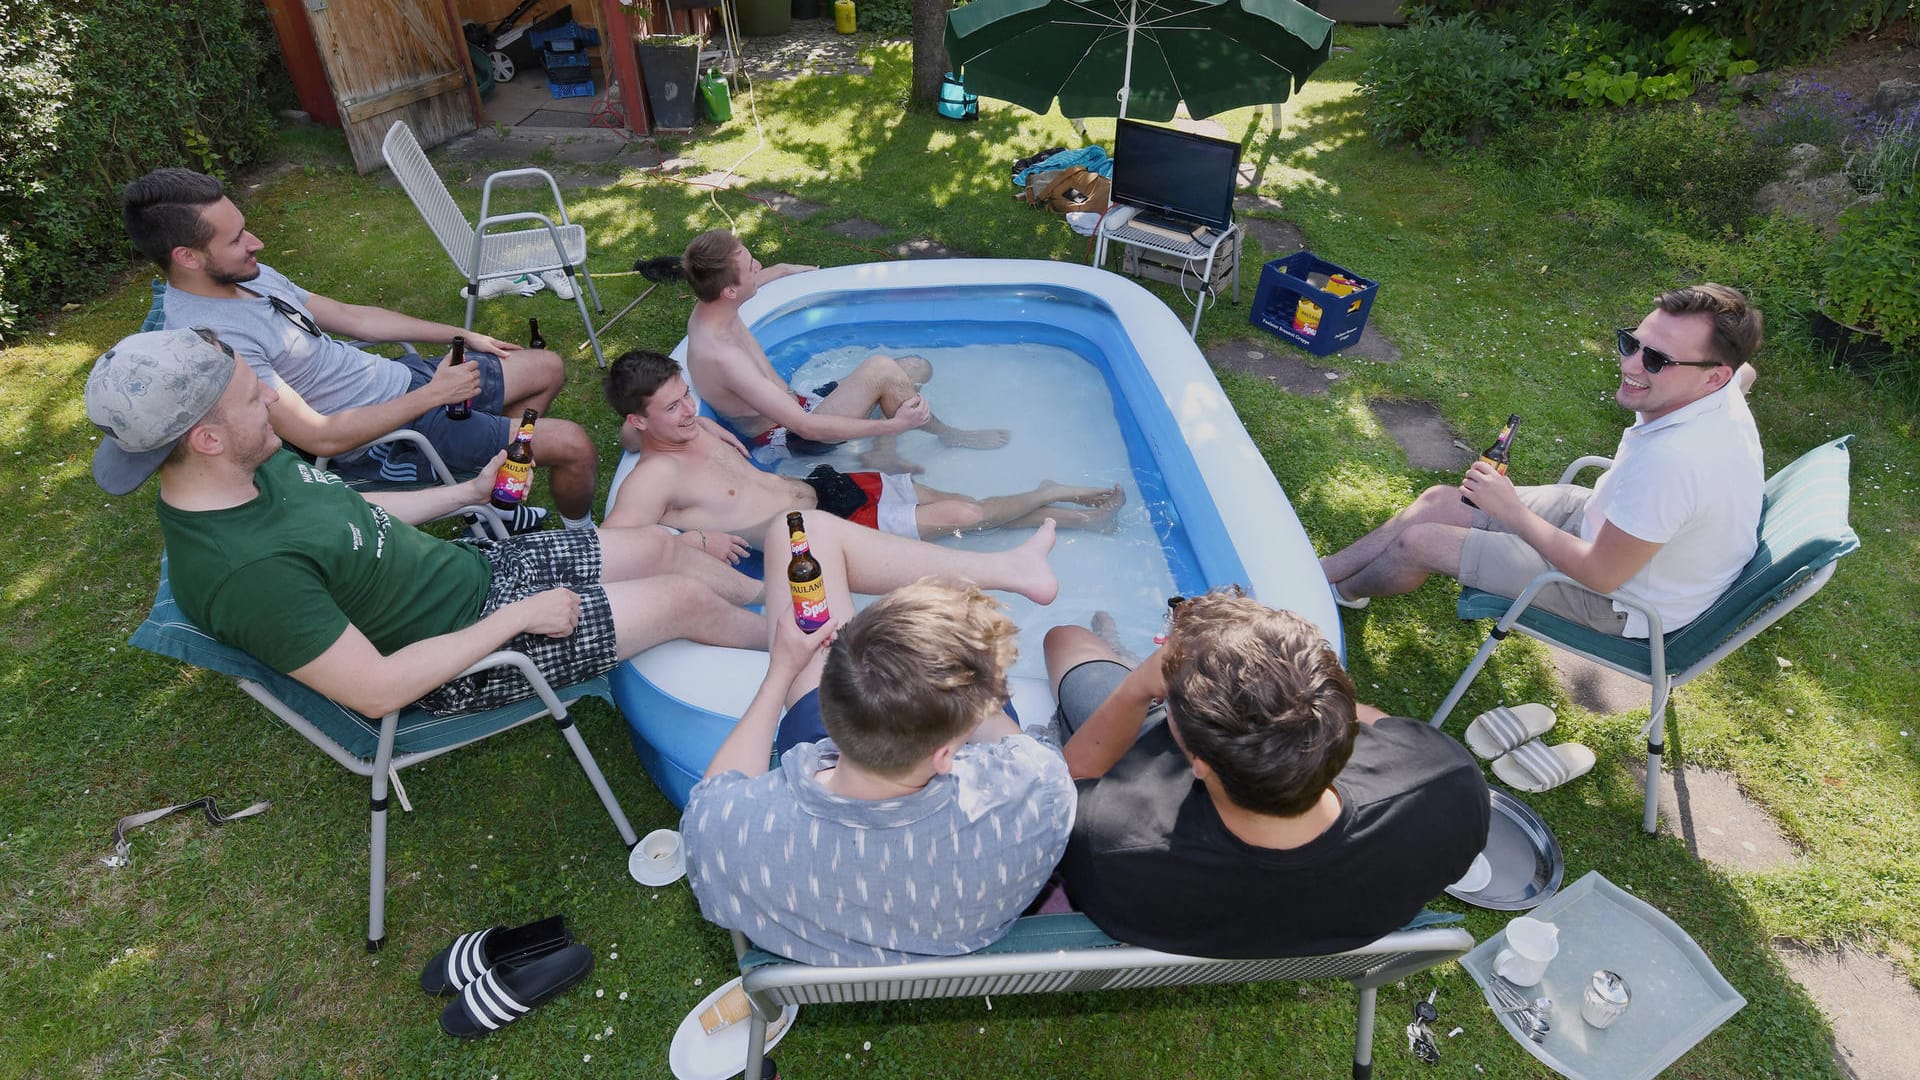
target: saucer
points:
(696, 1055)
(1523, 855)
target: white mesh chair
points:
(1053, 954)
(491, 252)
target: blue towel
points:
(1092, 158)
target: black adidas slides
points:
(505, 993)
(472, 954)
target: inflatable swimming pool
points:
(1217, 513)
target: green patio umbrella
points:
(1137, 58)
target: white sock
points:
(585, 522)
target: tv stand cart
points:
(1206, 266)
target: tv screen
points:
(1177, 173)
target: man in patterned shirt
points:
(926, 821)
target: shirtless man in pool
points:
(691, 478)
(733, 375)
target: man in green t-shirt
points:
(271, 555)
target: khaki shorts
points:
(1496, 561)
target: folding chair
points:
(483, 520)
(489, 253)
(1049, 954)
(377, 749)
(1803, 530)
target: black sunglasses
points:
(1628, 342)
(295, 316)
(211, 338)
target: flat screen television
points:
(1175, 173)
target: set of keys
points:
(1420, 1042)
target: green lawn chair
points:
(482, 520)
(1067, 953)
(1803, 530)
(377, 749)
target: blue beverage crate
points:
(569, 32)
(583, 88)
(1283, 284)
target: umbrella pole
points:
(1126, 73)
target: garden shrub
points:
(1697, 166)
(1873, 266)
(92, 95)
(1442, 83)
(888, 18)
(1886, 155)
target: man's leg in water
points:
(858, 559)
(943, 512)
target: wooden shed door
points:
(391, 60)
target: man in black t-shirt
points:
(1270, 814)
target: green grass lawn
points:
(238, 951)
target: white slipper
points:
(1341, 599)
(1499, 730)
(1537, 767)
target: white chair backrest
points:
(423, 185)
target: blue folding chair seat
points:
(1803, 531)
(377, 749)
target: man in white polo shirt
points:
(1672, 521)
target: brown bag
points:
(1066, 191)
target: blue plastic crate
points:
(571, 32)
(583, 88)
(1283, 285)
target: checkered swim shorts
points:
(523, 566)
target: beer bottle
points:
(534, 340)
(459, 410)
(1496, 455)
(804, 579)
(1166, 626)
(510, 487)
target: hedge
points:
(92, 95)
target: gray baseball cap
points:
(147, 392)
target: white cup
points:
(1531, 946)
(658, 859)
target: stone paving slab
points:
(1373, 345)
(1598, 689)
(1283, 367)
(1874, 1010)
(790, 205)
(1423, 435)
(921, 247)
(1253, 200)
(859, 229)
(1709, 813)
(1276, 238)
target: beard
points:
(225, 278)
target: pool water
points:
(1054, 388)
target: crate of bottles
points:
(1320, 306)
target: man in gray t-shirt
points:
(922, 826)
(333, 398)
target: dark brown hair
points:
(918, 669)
(1259, 696)
(163, 210)
(634, 378)
(1737, 323)
(708, 263)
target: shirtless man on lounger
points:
(733, 375)
(693, 477)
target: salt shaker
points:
(1605, 999)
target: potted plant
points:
(1871, 307)
(670, 68)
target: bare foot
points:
(886, 461)
(983, 439)
(1028, 573)
(1097, 519)
(1108, 630)
(1096, 497)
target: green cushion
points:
(168, 632)
(1803, 527)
